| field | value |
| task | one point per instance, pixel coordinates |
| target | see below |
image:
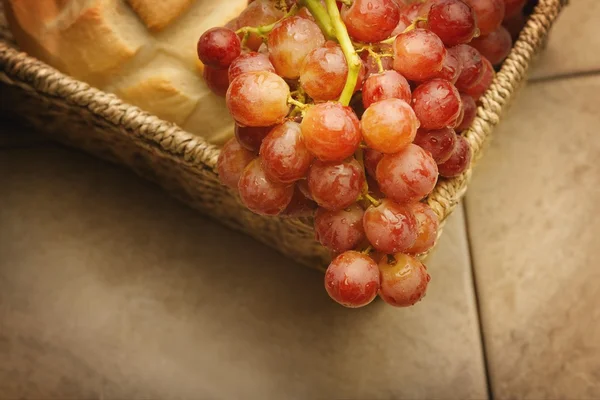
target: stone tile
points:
(533, 219)
(574, 42)
(110, 289)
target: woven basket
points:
(78, 115)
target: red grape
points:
(340, 230)
(403, 23)
(451, 69)
(470, 111)
(302, 185)
(404, 280)
(335, 185)
(489, 13)
(331, 131)
(390, 227)
(483, 84)
(370, 63)
(513, 7)
(371, 21)
(411, 11)
(216, 80)
(300, 206)
(385, 85)
(472, 65)
(436, 104)
(453, 21)
(407, 176)
(428, 224)
(258, 13)
(439, 143)
(258, 99)
(514, 25)
(290, 42)
(418, 54)
(218, 47)
(372, 158)
(251, 137)
(495, 46)
(261, 195)
(232, 161)
(389, 125)
(249, 62)
(324, 72)
(352, 279)
(284, 156)
(459, 161)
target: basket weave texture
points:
(78, 115)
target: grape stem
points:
(352, 58)
(266, 29)
(408, 29)
(321, 17)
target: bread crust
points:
(157, 15)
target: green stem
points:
(266, 29)
(321, 17)
(352, 58)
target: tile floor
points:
(103, 296)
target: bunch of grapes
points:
(349, 112)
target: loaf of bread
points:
(144, 51)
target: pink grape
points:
(218, 47)
(404, 280)
(324, 72)
(217, 80)
(251, 137)
(436, 104)
(290, 42)
(389, 125)
(438, 143)
(371, 21)
(390, 227)
(352, 279)
(335, 185)
(495, 46)
(489, 13)
(385, 85)
(232, 161)
(331, 131)
(459, 161)
(407, 176)
(418, 54)
(300, 206)
(451, 69)
(372, 158)
(484, 82)
(340, 230)
(472, 65)
(453, 21)
(258, 99)
(284, 156)
(428, 224)
(249, 62)
(258, 13)
(261, 195)
(470, 112)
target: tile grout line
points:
(486, 363)
(565, 76)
